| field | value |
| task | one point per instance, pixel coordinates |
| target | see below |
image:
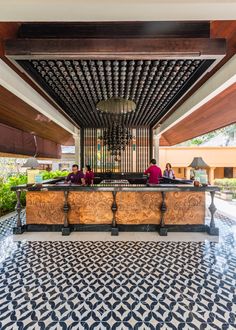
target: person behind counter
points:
(89, 175)
(76, 176)
(169, 173)
(154, 172)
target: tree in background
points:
(229, 132)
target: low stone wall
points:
(225, 195)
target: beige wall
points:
(213, 156)
(179, 172)
(181, 157)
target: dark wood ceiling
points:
(120, 30)
(152, 63)
(78, 85)
(161, 29)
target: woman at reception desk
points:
(168, 172)
(89, 176)
(124, 202)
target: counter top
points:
(116, 187)
(68, 206)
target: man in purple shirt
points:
(154, 172)
(76, 176)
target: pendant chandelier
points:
(116, 106)
(116, 138)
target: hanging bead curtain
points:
(116, 138)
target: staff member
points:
(76, 176)
(154, 172)
(89, 175)
(169, 173)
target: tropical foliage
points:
(226, 185)
(8, 197)
(53, 174)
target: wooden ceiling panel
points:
(83, 108)
(16, 113)
(79, 64)
(217, 113)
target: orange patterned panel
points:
(132, 207)
(185, 208)
(138, 207)
(44, 207)
(90, 207)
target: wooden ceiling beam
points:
(116, 29)
(216, 113)
(16, 113)
(7, 30)
(110, 48)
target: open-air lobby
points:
(117, 165)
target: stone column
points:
(188, 173)
(234, 172)
(156, 145)
(76, 137)
(211, 175)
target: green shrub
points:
(8, 197)
(53, 174)
(227, 185)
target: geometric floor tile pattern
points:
(118, 285)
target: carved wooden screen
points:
(135, 157)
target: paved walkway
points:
(225, 207)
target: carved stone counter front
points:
(162, 206)
(138, 208)
(185, 208)
(44, 207)
(90, 207)
(93, 207)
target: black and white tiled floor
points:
(118, 284)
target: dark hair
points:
(89, 168)
(169, 165)
(153, 161)
(75, 165)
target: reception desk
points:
(116, 207)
